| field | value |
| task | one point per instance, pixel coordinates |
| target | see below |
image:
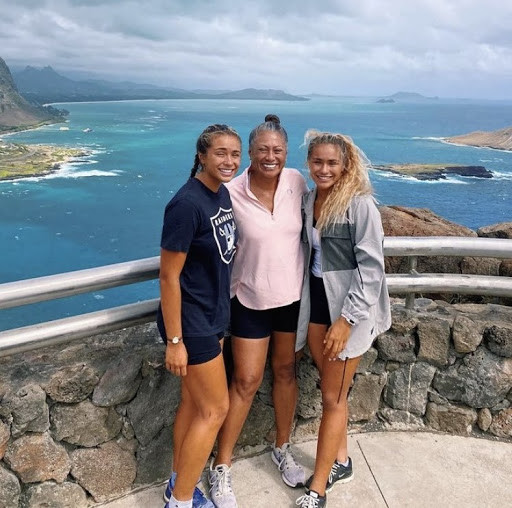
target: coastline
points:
(18, 161)
(434, 171)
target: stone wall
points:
(90, 421)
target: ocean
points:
(107, 207)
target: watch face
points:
(175, 340)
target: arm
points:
(171, 265)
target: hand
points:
(336, 338)
(176, 358)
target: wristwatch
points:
(175, 340)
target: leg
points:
(316, 336)
(284, 386)
(207, 386)
(185, 414)
(336, 380)
(249, 356)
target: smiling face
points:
(221, 161)
(268, 154)
(325, 166)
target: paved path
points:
(391, 469)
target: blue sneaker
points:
(199, 500)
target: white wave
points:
(500, 175)
(430, 138)
(412, 179)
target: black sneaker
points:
(311, 499)
(339, 473)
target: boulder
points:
(54, 495)
(434, 338)
(499, 339)
(501, 425)
(72, 384)
(29, 410)
(158, 396)
(5, 434)
(467, 334)
(398, 419)
(396, 347)
(120, 382)
(84, 424)
(484, 419)
(500, 230)
(37, 458)
(364, 396)
(9, 488)
(407, 387)
(154, 461)
(482, 379)
(367, 361)
(105, 472)
(452, 419)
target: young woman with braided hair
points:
(344, 303)
(198, 244)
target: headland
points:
(500, 139)
(434, 171)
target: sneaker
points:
(292, 473)
(311, 499)
(339, 474)
(199, 500)
(221, 490)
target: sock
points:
(174, 503)
(344, 464)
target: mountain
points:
(15, 111)
(46, 85)
(407, 97)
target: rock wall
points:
(91, 421)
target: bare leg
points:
(186, 413)
(284, 386)
(249, 356)
(336, 380)
(207, 386)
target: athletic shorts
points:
(319, 306)
(257, 324)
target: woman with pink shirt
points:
(265, 292)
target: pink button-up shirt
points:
(268, 265)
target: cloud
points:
(369, 47)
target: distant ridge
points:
(500, 139)
(16, 112)
(46, 86)
(407, 97)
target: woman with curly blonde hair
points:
(344, 303)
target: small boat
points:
(88, 129)
(64, 128)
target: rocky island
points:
(500, 139)
(434, 171)
(22, 161)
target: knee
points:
(333, 401)
(215, 415)
(247, 385)
(284, 372)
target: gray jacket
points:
(352, 271)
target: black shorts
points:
(203, 349)
(319, 306)
(257, 324)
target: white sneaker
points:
(221, 491)
(292, 473)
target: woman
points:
(345, 302)
(198, 245)
(265, 290)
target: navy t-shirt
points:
(200, 222)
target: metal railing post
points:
(409, 299)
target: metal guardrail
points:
(29, 291)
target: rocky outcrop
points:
(435, 171)
(15, 111)
(500, 139)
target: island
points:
(500, 139)
(22, 161)
(434, 171)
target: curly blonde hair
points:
(354, 180)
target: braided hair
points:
(204, 141)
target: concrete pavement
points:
(391, 469)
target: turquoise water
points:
(108, 207)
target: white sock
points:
(344, 464)
(174, 503)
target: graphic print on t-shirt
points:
(224, 227)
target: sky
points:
(445, 48)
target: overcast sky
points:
(448, 48)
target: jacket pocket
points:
(338, 249)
